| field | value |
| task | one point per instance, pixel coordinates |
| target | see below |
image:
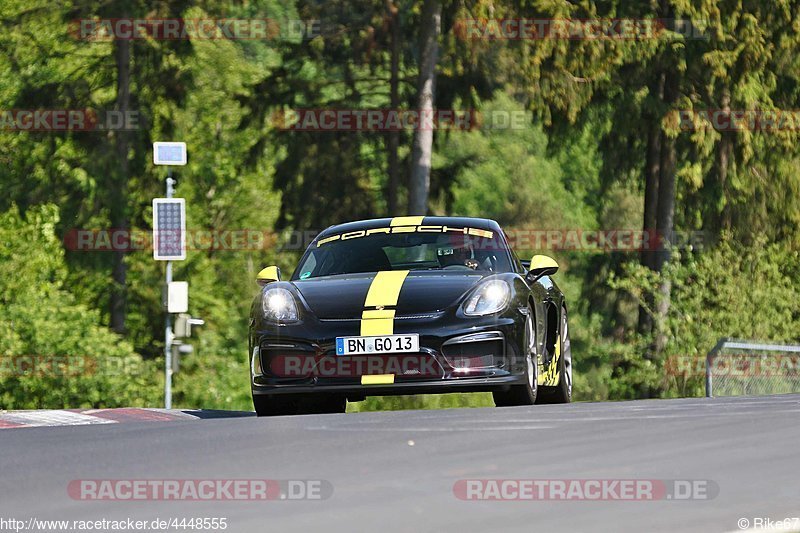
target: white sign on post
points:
(178, 297)
(169, 153)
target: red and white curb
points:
(82, 417)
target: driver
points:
(452, 255)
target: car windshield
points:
(404, 251)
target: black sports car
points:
(409, 305)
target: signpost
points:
(169, 244)
(169, 227)
(169, 153)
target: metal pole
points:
(168, 320)
(710, 364)
(168, 349)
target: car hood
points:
(343, 296)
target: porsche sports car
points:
(409, 305)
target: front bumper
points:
(460, 355)
(443, 386)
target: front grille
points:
(402, 366)
(480, 354)
(302, 361)
(287, 360)
(398, 317)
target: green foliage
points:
(506, 174)
(54, 351)
(732, 290)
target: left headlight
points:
(490, 297)
(279, 305)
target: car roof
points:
(478, 223)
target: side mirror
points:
(542, 265)
(268, 275)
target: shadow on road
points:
(213, 413)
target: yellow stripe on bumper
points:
(383, 325)
(380, 379)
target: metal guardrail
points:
(735, 344)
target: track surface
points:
(395, 471)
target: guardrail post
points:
(710, 364)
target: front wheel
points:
(524, 394)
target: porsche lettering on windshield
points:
(486, 234)
(406, 248)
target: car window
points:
(405, 251)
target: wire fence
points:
(750, 368)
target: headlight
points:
(490, 297)
(278, 305)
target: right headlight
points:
(279, 306)
(490, 297)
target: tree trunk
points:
(393, 137)
(118, 196)
(419, 184)
(724, 153)
(652, 175)
(665, 216)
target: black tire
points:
(561, 393)
(283, 405)
(266, 405)
(321, 404)
(524, 394)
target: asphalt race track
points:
(396, 471)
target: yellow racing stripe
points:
(385, 288)
(550, 377)
(383, 292)
(406, 221)
(372, 325)
(379, 379)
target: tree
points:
(419, 185)
(119, 189)
(393, 137)
(53, 351)
(89, 173)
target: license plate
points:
(378, 344)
